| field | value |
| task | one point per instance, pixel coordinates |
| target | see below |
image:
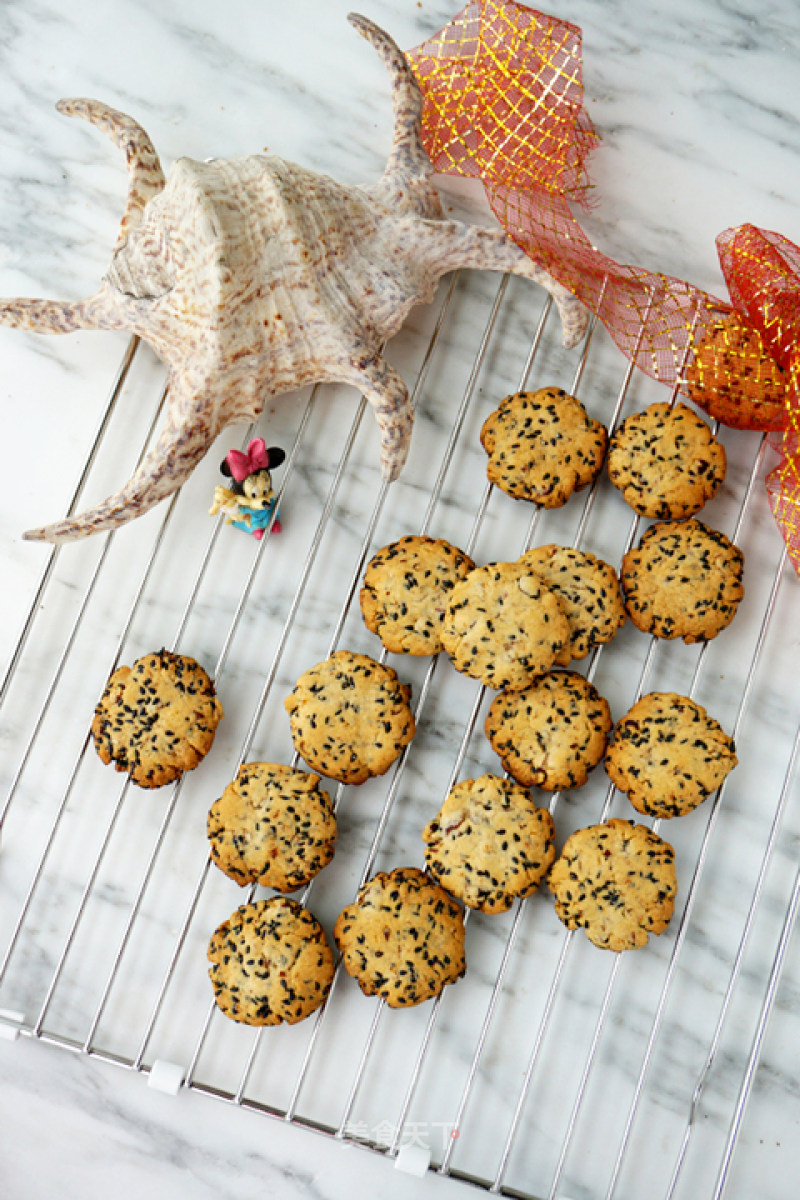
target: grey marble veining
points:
(697, 110)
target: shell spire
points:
(146, 177)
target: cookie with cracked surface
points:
(157, 718)
(667, 755)
(402, 938)
(589, 593)
(272, 825)
(617, 882)
(682, 580)
(489, 843)
(552, 733)
(270, 963)
(733, 377)
(666, 462)
(406, 587)
(504, 625)
(350, 717)
(543, 446)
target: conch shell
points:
(251, 277)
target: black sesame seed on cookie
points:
(350, 717)
(682, 580)
(542, 446)
(272, 825)
(552, 733)
(406, 587)
(667, 755)
(403, 938)
(617, 882)
(270, 963)
(489, 843)
(666, 461)
(156, 719)
(504, 625)
(589, 593)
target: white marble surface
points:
(697, 108)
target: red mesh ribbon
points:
(503, 91)
(762, 270)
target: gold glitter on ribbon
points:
(762, 270)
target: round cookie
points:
(666, 462)
(406, 587)
(588, 591)
(270, 963)
(489, 843)
(682, 580)
(551, 734)
(273, 825)
(734, 377)
(542, 446)
(667, 755)
(156, 719)
(350, 717)
(503, 625)
(617, 882)
(403, 938)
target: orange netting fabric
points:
(762, 270)
(503, 91)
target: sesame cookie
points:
(350, 717)
(271, 962)
(503, 625)
(551, 734)
(616, 881)
(156, 719)
(406, 587)
(733, 377)
(403, 938)
(682, 580)
(667, 755)
(272, 825)
(542, 446)
(666, 461)
(588, 591)
(489, 843)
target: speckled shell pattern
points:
(251, 277)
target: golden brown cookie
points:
(682, 580)
(489, 843)
(551, 734)
(667, 755)
(503, 625)
(403, 938)
(156, 719)
(616, 881)
(350, 717)
(666, 461)
(270, 962)
(406, 587)
(272, 825)
(589, 594)
(734, 377)
(542, 446)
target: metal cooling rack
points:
(545, 1069)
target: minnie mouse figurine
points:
(250, 500)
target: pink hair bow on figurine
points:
(255, 458)
(249, 502)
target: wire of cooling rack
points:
(496, 1171)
